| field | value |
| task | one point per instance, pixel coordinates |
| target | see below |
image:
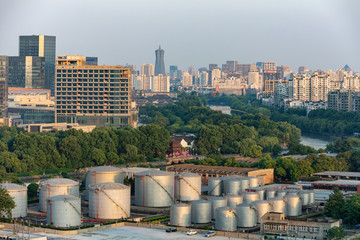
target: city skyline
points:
(318, 35)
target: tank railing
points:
(167, 192)
(127, 214)
(72, 205)
(220, 182)
(189, 185)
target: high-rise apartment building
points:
(159, 61)
(212, 66)
(340, 100)
(160, 83)
(308, 87)
(186, 79)
(147, 69)
(351, 83)
(26, 72)
(142, 82)
(41, 46)
(3, 88)
(173, 71)
(203, 78)
(91, 94)
(255, 80)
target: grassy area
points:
(318, 214)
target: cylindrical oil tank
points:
(278, 205)
(254, 182)
(270, 193)
(305, 198)
(311, 197)
(64, 211)
(281, 193)
(154, 189)
(246, 215)
(56, 186)
(245, 184)
(250, 197)
(187, 187)
(109, 201)
(225, 219)
(262, 207)
(102, 174)
(217, 202)
(293, 205)
(180, 214)
(19, 195)
(232, 186)
(233, 200)
(201, 211)
(215, 187)
(261, 193)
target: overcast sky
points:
(319, 34)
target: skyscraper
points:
(41, 46)
(147, 69)
(159, 63)
(3, 88)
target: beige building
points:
(28, 97)
(186, 79)
(352, 83)
(160, 83)
(92, 94)
(306, 228)
(147, 69)
(47, 127)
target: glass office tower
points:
(41, 46)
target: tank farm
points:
(106, 195)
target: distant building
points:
(3, 89)
(340, 100)
(303, 70)
(48, 127)
(203, 78)
(143, 82)
(93, 95)
(336, 175)
(160, 83)
(306, 228)
(212, 66)
(186, 79)
(159, 62)
(173, 72)
(27, 72)
(41, 46)
(309, 87)
(147, 70)
(255, 80)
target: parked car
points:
(169, 230)
(210, 234)
(191, 232)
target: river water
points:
(306, 139)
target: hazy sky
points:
(315, 33)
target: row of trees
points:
(28, 152)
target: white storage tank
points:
(254, 182)
(233, 200)
(225, 219)
(103, 174)
(201, 211)
(281, 193)
(261, 193)
(180, 214)
(293, 205)
(217, 202)
(232, 186)
(262, 207)
(54, 187)
(215, 187)
(278, 205)
(154, 188)
(109, 201)
(187, 186)
(270, 193)
(64, 211)
(245, 184)
(250, 197)
(19, 195)
(305, 197)
(246, 215)
(311, 197)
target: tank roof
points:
(181, 205)
(233, 196)
(13, 186)
(225, 209)
(260, 202)
(217, 198)
(105, 169)
(59, 181)
(200, 201)
(154, 173)
(187, 174)
(63, 198)
(109, 185)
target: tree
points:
(6, 203)
(336, 233)
(32, 190)
(335, 204)
(351, 210)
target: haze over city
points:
(315, 34)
